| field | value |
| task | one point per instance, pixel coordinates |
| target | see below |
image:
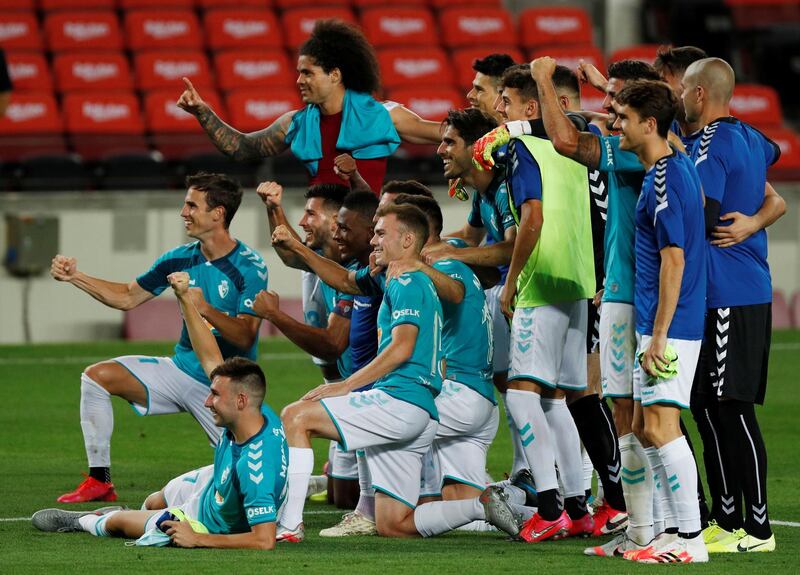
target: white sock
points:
(441, 516)
(535, 436)
(514, 494)
(662, 494)
(637, 487)
(97, 422)
(96, 524)
(519, 462)
(301, 464)
(567, 444)
(477, 526)
(681, 472)
(366, 498)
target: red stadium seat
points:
(51, 5)
(463, 59)
(443, 4)
(251, 110)
(756, 104)
(749, 14)
(242, 28)
(167, 29)
(788, 165)
(206, 4)
(291, 4)
(430, 103)
(104, 124)
(32, 126)
(84, 30)
(570, 56)
(554, 26)
(362, 4)
(29, 72)
(253, 68)
(297, 23)
(401, 26)
(19, 31)
(92, 71)
(155, 4)
(176, 133)
(591, 99)
(405, 67)
(19, 5)
(643, 52)
(474, 26)
(166, 68)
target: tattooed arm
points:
(240, 146)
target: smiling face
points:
(633, 127)
(223, 400)
(317, 223)
(455, 153)
(513, 106)
(612, 89)
(389, 240)
(315, 84)
(198, 219)
(483, 93)
(352, 235)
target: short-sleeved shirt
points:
(625, 175)
(732, 159)
(670, 213)
(364, 330)
(490, 210)
(341, 304)
(411, 299)
(229, 284)
(249, 482)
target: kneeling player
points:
(232, 503)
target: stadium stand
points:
(297, 23)
(476, 26)
(401, 26)
(33, 125)
(90, 30)
(414, 67)
(173, 132)
(253, 69)
(242, 28)
(99, 125)
(757, 105)
(168, 29)
(29, 71)
(254, 109)
(463, 58)
(19, 30)
(431, 103)
(166, 68)
(92, 71)
(554, 26)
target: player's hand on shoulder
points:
(266, 303)
(399, 267)
(179, 282)
(484, 148)
(271, 193)
(436, 252)
(282, 237)
(181, 534)
(190, 100)
(327, 390)
(344, 165)
(63, 268)
(543, 68)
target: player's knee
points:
(101, 374)
(294, 416)
(155, 501)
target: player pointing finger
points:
(190, 100)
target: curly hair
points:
(337, 44)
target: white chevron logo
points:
(722, 354)
(256, 478)
(723, 327)
(246, 252)
(613, 472)
(255, 466)
(760, 513)
(721, 342)
(593, 175)
(724, 312)
(404, 281)
(705, 142)
(254, 454)
(262, 275)
(257, 444)
(259, 264)
(721, 370)
(727, 505)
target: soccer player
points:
(670, 289)
(732, 160)
(490, 218)
(337, 73)
(671, 63)
(486, 84)
(325, 333)
(226, 277)
(551, 270)
(232, 503)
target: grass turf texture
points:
(42, 456)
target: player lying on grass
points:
(232, 503)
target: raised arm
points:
(270, 141)
(498, 254)
(203, 341)
(345, 167)
(582, 147)
(122, 296)
(240, 330)
(339, 278)
(271, 193)
(413, 129)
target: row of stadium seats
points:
(251, 27)
(280, 4)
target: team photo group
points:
(611, 273)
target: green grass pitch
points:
(42, 456)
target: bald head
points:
(715, 76)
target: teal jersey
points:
(341, 304)
(229, 284)
(624, 184)
(491, 210)
(467, 345)
(411, 299)
(249, 482)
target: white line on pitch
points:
(312, 512)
